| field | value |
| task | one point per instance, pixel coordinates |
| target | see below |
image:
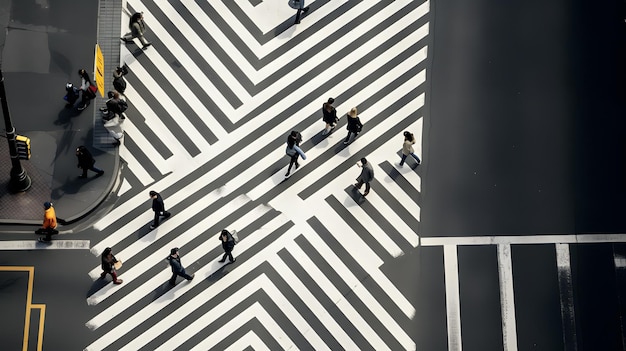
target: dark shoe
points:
(152, 227)
(118, 282)
(297, 165)
(192, 276)
(233, 261)
(82, 176)
(117, 142)
(287, 175)
(305, 10)
(172, 283)
(125, 40)
(146, 46)
(103, 275)
(222, 260)
(100, 173)
(80, 108)
(345, 143)
(365, 193)
(43, 240)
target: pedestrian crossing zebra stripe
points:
(507, 300)
(164, 300)
(453, 307)
(249, 340)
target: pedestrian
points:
(366, 176)
(116, 105)
(177, 267)
(108, 266)
(158, 207)
(354, 125)
(118, 79)
(407, 148)
(293, 150)
(228, 244)
(329, 116)
(49, 223)
(137, 29)
(87, 88)
(71, 96)
(298, 5)
(86, 162)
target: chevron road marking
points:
(249, 340)
(254, 311)
(244, 268)
(453, 303)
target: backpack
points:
(119, 84)
(235, 237)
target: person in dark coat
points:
(158, 206)
(293, 150)
(118, 79)
(86, 162)
(108, 265)
(228, 244)
(354, 125)
(329, 116)
(72, 94)
(366, 176)
(177, 267)
(116, 106)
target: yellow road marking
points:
(29, 305)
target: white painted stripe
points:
(249, 340)
(340, 301)
(164, 300)
(184, 60)
(507, 298)
(172, 109)
(198, 43)
(392, 217)
(313, 304)
(156, 125)
(523, 239)
(124, 187)
(254, 311)
(131, 298)
(394, 188)
(566, 292)
(135, 167)
(311, 85)
(357, 288)
(145, 146)
(453, 303)
(377, 233)
(18, 245)
(266, 15)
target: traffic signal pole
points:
(20, 181)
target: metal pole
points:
(20, 181)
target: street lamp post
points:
(20, 181)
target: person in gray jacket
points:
(137, 28)
(177, 267)
(366, 176)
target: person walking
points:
(293, 150)
(158, 206)
(407, 148)
(354, 125)
(137, 29)
(88, 89)
(118, 79)
(49, 225)
(177, 267)
(116, 106)
(228, 244)
(329, 116)
(366, 176)
(86, 162)
(108, 266)
(298, 5)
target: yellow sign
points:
(99, 75)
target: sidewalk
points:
(44, 48)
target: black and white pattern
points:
(211, 103)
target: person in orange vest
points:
(49, 223)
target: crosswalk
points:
(211, 103)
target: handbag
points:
(117, 265)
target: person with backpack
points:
(116, 106)
(228, 244)
(118, 79)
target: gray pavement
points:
(44, 47)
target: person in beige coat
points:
(407, 148)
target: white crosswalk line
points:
(453, 305)
(146, 147)
(249, 340)
(507, 298)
